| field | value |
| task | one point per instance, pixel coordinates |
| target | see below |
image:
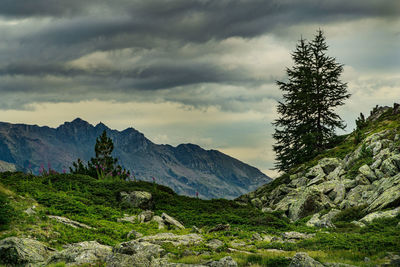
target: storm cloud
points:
(207, 55)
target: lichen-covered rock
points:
(214, 244)
(176, 240)
(329, 164)
(224, 262)
(134, 235)
(324, 221)
(380, 214)
(137, 199)
(88, 252)
(315, 171)
(301, 259)
(127, 218)
(366, 171)
(69, 222)
(23, 251)
(168, 220)
(145, 216)
(160, 221)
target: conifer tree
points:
(307, 121)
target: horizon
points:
(188, 72)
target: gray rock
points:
(301, 259)
(135, 253)
(380, 214)
(359, 224)
(69, 222)
(296, 236)
(87, 252)
(214, 244)
(329, 164)
(171, 221)
(176, 240)
(134, 235)
(362, 180)
(366, 171)
(23, 251)
(127, 218)
(137, 199)
(256, 237)
(196, 230)
(315, 171)
(145, 216)
(160, 221)
(224, 262)
(324, 221)
(31, 210)
(389, 167)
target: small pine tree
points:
(361, 122)
(103, 164)
(306, 121)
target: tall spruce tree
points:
(307, 121)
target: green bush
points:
(6, 212)
(351, 214)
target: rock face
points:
(137, 199)
(23, 251)
(329, 185)
(187, 168)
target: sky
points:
(187, 71)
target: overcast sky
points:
(185, 71)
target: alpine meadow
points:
(200, 133)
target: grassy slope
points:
(95, 203)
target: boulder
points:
(16, 251)
(176, 240)
(307, 202)
(366, 171)
(324, 221)
(87, 252)
(127, 218)
(315, 171)
(145, 216)
(301, 259)
(160, 221)
(386, 195)
(380, 214)
(168, 220)
(329, 164)
(135, 253)
(389, 167)
(69, 222)
(137, 199)
(295, 236)
(31, 210)
(224, 262)
(214, 244)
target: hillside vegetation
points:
(261, 231)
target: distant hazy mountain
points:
(186, 168)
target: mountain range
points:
(186, 168)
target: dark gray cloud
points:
(58, 50)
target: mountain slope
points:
(361, 174)
(186, 168)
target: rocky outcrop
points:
(87, 252)
(301, 259)
(176, 240)
(16, 251)
(69, 222)
(137, 199)
(331, 184)
(168, 220)
(380, 214)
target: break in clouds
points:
(226, 54)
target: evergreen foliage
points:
(307, 121)
(103, 164)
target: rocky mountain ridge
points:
(187, 168)
(366, 177)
